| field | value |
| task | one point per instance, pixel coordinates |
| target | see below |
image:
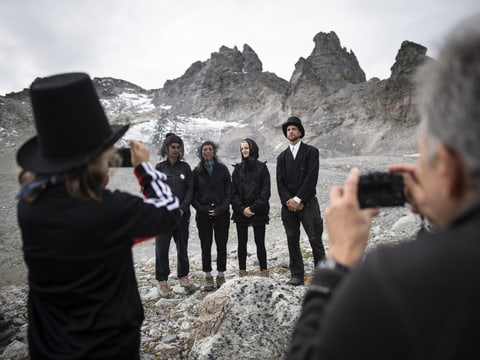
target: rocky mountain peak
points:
(327, 90)
(325, 42)
(328, 69)
(334, 65)
(110, 87)
(226, 84)
(251, 60)
(408, 58)
(396, 93)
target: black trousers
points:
(162, 247)
(259, 236)
(207, 229)
(312, 223)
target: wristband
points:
(331, 264)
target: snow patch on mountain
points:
(192, 130)
(128, 102)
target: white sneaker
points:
(187, 285)
(163, 289)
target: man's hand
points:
(140, 152)
(348, 226)
(293, 205)
(247, 212)
(414, 193)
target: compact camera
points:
(381, 189)
(126, 157)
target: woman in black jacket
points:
(211, 200)
(250, 196)
(77, 235)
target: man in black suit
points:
(297, 175)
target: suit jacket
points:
(299, 176)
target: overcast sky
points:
(148, 42)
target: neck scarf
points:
(209, 166)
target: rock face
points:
(247, 316)
(229, 82)
(374, 117)
(328, 69)
(398, 100)
(343, 114)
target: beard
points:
(293, 137)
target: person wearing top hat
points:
(77, 235)
(297, 175)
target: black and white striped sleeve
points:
(154, 188)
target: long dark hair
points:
(199, 153)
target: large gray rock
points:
(251, 316)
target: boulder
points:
(251, 316)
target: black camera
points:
(381, 189)
(125, 156)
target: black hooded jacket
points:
(250, 188)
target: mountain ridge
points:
(343, 113)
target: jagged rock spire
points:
(407, 60)
(334, 66)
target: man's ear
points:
(451, 171)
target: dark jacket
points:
(417, 300)
(297, 177)
(180, 180)
(250, 188)
(83, 300)
(211, 189)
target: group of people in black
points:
(77, 234)
(211, 191)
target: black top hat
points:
(293, 121)
(72, 127)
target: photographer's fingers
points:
(414, 193)
(336, 192)
(351, 186)
(140, 152)
(370, 213)
(402, 167)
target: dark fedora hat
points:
(72, 127)
(293, 120)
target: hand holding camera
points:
(140, 152)
(134, 155)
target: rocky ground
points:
(170, 325)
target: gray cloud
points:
(149, 41)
